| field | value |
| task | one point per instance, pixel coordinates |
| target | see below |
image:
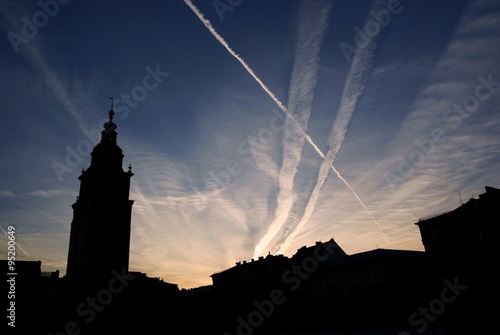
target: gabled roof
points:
(333, 248)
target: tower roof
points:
(107, 155)
(108, 135)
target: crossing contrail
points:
(289, 117)
(310, 33)
(353, 89)
(16, 242)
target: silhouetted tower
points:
(100, 230)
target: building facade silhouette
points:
(100, 230)
(463, 247)
(101, 295)
(321, 288)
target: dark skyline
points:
(320, 288)
(407, 120)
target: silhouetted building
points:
(371, 289)
(321, 288)
(37, 297)
(236, 288)
(463, 245)
(99, 243)
(49, 301)
(100, 230)
(459, 239)
(21, 290)
(258, 276)
(197, 311)
(101, 295)
(153, 304)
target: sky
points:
(252, 126)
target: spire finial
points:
(111, 111)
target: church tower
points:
(100, 230)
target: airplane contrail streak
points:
(16, 242)
(36, 57)
(312, 24)
(221, 40)
(234, 54)
(250, 71)
(353, 89)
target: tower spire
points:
(111, 111)
(108, 135)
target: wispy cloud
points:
(466, 158)
(281, 106)
(34, 54)
(467, 56)
(45, 194)
(181, 225)
(6, 194)
(312, 25)
(290, 117)
(353, 88)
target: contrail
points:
(311, 30)
(353, 88)
(289, 117)
(16, 242)
(250, 71)
(234, 54)
(35, 56)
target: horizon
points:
(251, 127)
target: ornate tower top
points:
(111, 111)
(108, 135)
